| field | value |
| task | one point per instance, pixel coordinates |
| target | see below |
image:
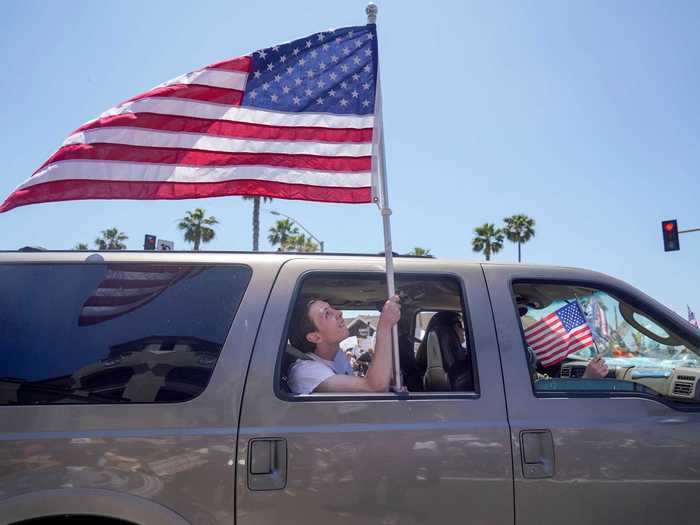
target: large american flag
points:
(291, 121)
(559, 334)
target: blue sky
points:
(583, 115)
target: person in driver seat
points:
(317, 329)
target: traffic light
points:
(149, 242)
(669, 230)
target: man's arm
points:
(378, 375)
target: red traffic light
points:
(669, 229)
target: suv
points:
(150, 388)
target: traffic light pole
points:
(688, 231)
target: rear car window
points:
(113, 333)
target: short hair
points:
(302, 325)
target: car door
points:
(368, 458)
(596, 457)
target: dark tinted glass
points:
(113, 333)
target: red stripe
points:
(94, 189)
(231, 97)
(226, 128)
(190, 157)
(235, 64)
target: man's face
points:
(329, 322)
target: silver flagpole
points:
(382, 202)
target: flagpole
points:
(382, 202)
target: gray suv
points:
(151, 388)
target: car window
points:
(580, 339)
(434, 354)
(113, 333)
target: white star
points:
(366, 68)
(344, 85)
(365, 85)
(322, 66)
(344, 67)
(357, 60)
(253, 94)
(368, 52)
(297, 81)
(257, 74)
(332, 92)
(283, 58)
(358, 44)
(346, 51)
(307, 92)
(290, 70)
(320, 83)
(296, 51)
(321, 37)
(370, 36)
(270, 66)
(302, 61)
(354, 93)
(310, 73)
(334, 58)
(262, 54)
(333, 75)
(314, 53)
(356, 77)
(308, 44)
(326, 47)
(274, 98)
(278, 78)
(296, 100)
(276, 48)
(365, 103)
(319, 100)
(266, 86)
(285, 89)
(343, 102)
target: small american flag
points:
(292, 121)
(559, 334)
(125, 288)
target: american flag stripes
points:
(692, 319)
(291, 121)
(559, 334)
(126, 287)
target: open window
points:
(566, 327)
(434, 342)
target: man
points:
(318, 329)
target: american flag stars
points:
(328, 72)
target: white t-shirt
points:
(306, 374)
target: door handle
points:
(537, 453)
(267, 464)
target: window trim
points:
(657, 315)
(370, 396)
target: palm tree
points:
(282, 233)
(519, 228)
(111, 239)
(81, 247)
(489, 240)
(256, 217)
(420, 252)
(301, 243)
(196, 227)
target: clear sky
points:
(583, 115)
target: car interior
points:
(641, 354)
(433, 359)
